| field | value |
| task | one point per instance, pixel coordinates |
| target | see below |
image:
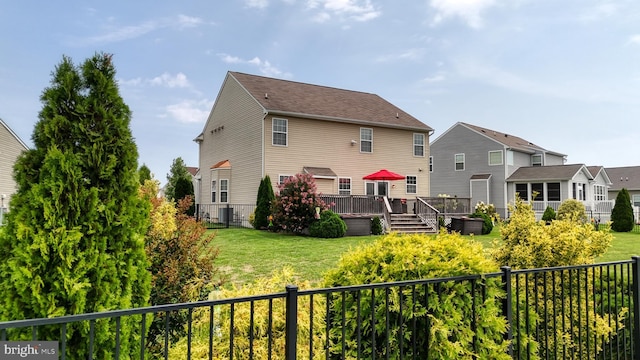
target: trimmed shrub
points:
(376, 226)
(263, 204)
(435, 320)
(622, 213)
(487, 225)
(549, 214)
(572, 209)
(330, 225)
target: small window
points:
(418, 145)
(214, 191)
(224, 190)
(459, 162)
(536, 160)
(366, 140)
(509, 157)
(412, 184)
(370, 188)
(495, 157)
(282, 178)
(280, 131)
(522, 191)
(430, 163)
(636, 200)
(344, 186)
(600, 193)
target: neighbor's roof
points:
(510, 141)
(627, 177)
(290, 98)
(192, 170)
(552, 172)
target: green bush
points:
(622, 213)
(487, 225)
(549, 214)
(572, 209)
(376, 226)
(330, 225)
(435, 320)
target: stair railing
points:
(387, 214)
(427, 213)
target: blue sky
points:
(562, 74)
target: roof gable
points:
(22, 143)
(292, 98)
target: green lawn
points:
(246, 253)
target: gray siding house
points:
(10, 148)
(470, 161)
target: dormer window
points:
(536, 160)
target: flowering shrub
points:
(487, 209)
(296, 203)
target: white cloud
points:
(179, 80)
(264, 66)
(435, 78)
(358, 10)
(634, 39)
(599, 12)
(470, 11)
(190, 111)
(260, 4)
(411, 54)
(122, 33)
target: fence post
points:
(226, 216)
(291, 325)
(507, 307)
(636, 306)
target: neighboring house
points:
(10, 148)
(627, 177)
(263, 126)
(485, 165)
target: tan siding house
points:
(10, 148)
(263, 126)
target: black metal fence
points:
(216, 216)
(573, 312)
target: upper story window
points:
(495, 157)
(279, 129)
(430, 163)
(459, 158)
(412, 184)
(536, 160)
(418, 144)
(344, 186)
(366, 140)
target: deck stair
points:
(409, 224)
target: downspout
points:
(264, 117)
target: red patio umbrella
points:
(383, 174)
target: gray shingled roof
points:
(553, 172)
(510, 141)
(627, 177)
(321, 102)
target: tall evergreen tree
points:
(184, 188)
(622, 212)
(263, 203)
(74, 240)
(144, 174)
(177, 171)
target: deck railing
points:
(354, 204)
(572, 312)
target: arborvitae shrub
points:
(436, 321)
(263, 204)
(487, 224)
(376, 226)
(622, 213)
(330, 225)
(572, 209)
(549, 214)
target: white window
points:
(412, 184)
(509, 157)
(366, 140)
(495, 157)
(418, 144)
(344, 186)
(635, 200)
(279, 132)
(214, 191)
(224, 190)
(599, 192)
(370, 188)
(430, 163)
(536, 160)
(459, 162)
(282, 178)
